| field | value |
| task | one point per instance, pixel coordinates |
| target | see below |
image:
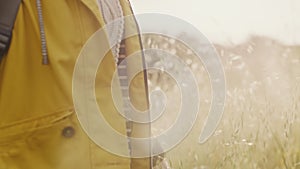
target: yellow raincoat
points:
(38, 125)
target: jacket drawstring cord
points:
(45, 60)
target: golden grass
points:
(260, 128)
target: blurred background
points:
(258, 42)
(233, 21)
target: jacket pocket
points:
(52, 142)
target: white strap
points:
(112, 10)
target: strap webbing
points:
(8, 12)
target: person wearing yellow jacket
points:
(38, 125)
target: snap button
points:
(68, 132)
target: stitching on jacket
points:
(34, 124)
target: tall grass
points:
(260, 128)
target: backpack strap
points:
(8, 12)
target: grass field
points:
(260, 128)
